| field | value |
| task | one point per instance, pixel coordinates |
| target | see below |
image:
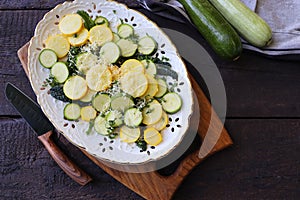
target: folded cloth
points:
(282, 16)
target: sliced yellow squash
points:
(152, 113)
(100, 34)
(59, 44)
(99, 78)
(75, 87)
(70, 24)
(132, 65)
(88, 113)
(152, 136)
(162, 123)
(152, 87)
(89, 96)
(129, 135)
(134, 83)
(79, 38)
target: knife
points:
(34, 116)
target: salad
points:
(112, 80)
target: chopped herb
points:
(114, 11)
(112, 135)
(163, 58)
(141, 144)
(51, 81)
(149, 111)
(58, 93)
(91, 125)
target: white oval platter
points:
(102, 147)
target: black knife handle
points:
(69, 167)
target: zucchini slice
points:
(84, 61)
(133, 117)
(110, 52)
(150, 67)
(125, 30)
(171, 102)
(162, 88)
(101, 102)
(116, 37)
(75, 87)
(129, 135)
(100, 125)
(47, 58)
(128, 47)
(152, 113)
(60, 72)
(114, 118)
(147, 45)
(100, 34)
(101, 20)
(121, 102)
(72, 111)
(89, 96)
(88, 113)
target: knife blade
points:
(36, 119)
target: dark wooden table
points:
(263, 119)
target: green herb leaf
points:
(88, 22)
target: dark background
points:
(263, 120)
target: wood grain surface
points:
(263, 119)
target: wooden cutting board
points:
(152, 185)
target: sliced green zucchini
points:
(110, 52)
(85, 61)
(147, 45)
(128, 47)
(121, 102)
(101, 20)
(100, 125)
(149, 66)
(60, 72)
(171, 102)
(114, 118)
(116, 37)
(89, 96)
(125, 30)
(162, 88)
(133, 117)
(72, 111)
(101, 102)
(47, 58)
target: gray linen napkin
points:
(282, 16)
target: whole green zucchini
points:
(223, 39)
(249, 25)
